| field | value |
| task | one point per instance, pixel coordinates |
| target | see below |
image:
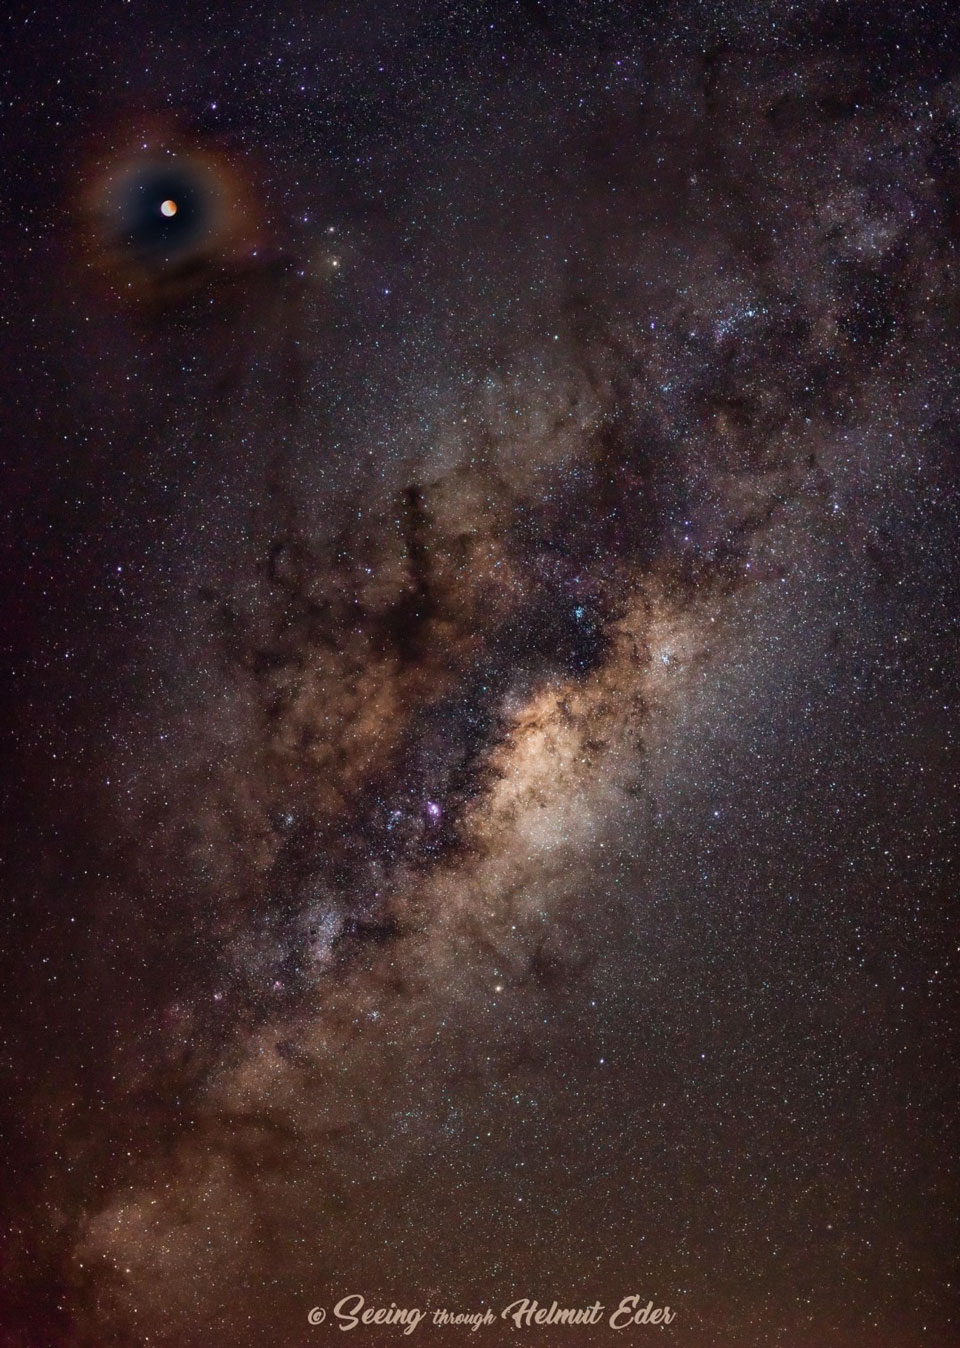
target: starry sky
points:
(480, 654)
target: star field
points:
(481, 659)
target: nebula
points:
(482, 645)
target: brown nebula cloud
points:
(413, 921)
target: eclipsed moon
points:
(168, 207)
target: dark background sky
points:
(480, 660)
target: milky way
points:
(481, 642)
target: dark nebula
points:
(481, 669)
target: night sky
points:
(481, 618)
